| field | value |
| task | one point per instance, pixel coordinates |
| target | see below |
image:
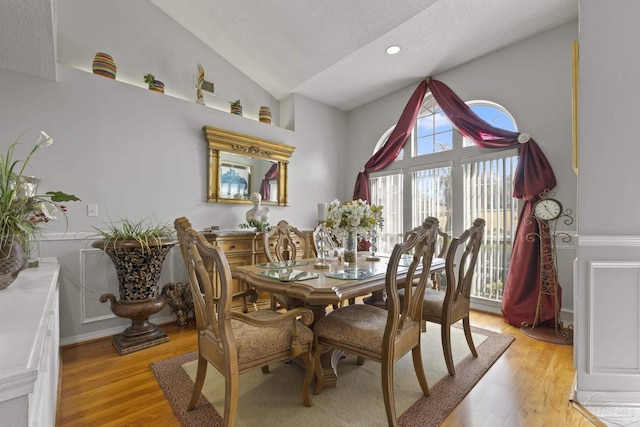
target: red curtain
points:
(533, 175)
(265, 189)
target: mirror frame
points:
(225, 141)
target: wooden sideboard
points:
(244, 248)
(29, 347)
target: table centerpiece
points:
(347, 221)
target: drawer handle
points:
(233, 247)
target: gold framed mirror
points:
(241, 164)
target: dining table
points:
(317, 289)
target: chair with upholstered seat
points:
(235, 342)
(284, 243)
(451, 305)
(384, 336)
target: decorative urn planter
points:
(138, 269)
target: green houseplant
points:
(23, 210)
(138, 250)
(155, 85)
(236, 107)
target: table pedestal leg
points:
(330, 357)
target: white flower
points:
(354, 216)
(44, 140)
(48, 210)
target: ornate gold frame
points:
(574, 104)
(220, 140)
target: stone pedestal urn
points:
(138, 269)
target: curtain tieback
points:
(523, 138)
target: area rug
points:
(275, 398)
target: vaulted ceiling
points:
(332, 51)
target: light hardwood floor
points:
(528, 386)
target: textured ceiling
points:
(328, 50)
(27, 42)
(333, 50)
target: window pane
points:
(494, 115)
(432, 196)
(434, 133)
(386, 191)
(487, 195)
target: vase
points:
(157, 86)
(103, 65)
(12, 262)
(236, 109)
(138, 270)
(350, 246)
(264, 115)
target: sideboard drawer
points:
(235, 245)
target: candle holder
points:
(322, 245)
(373, 247)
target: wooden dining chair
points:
(235, 342)
(249, 297)
(442, 245)
(383, 335)
(451, 305)
(285, 242)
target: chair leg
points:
(467, 333)
(318, 367)
(308, 376)
(416, 354)
(387, 392)
(231, 392)
(274, 303)
(446, 348)
(265, 369)
(197, 386)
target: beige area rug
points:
(275, 398)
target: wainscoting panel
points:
(614, 284)
(98, 276)
(607, 320)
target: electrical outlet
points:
(92, 210)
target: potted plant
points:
(236, 107)
(23, 210)
(155, 85)
(138, 250)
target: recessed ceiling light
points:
(392, 50)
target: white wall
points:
(608, 268)
(532, 80)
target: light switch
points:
(92, 210)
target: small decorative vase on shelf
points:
(235, 107)
(103, 65)
(12, 262)
(156, 86)
(350, 246)
(265, 115)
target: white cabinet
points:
(29, 347)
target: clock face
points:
(547, 209)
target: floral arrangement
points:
(354, 216)
(21, 208)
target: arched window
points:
(444, 175)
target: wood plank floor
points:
(528, 386)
